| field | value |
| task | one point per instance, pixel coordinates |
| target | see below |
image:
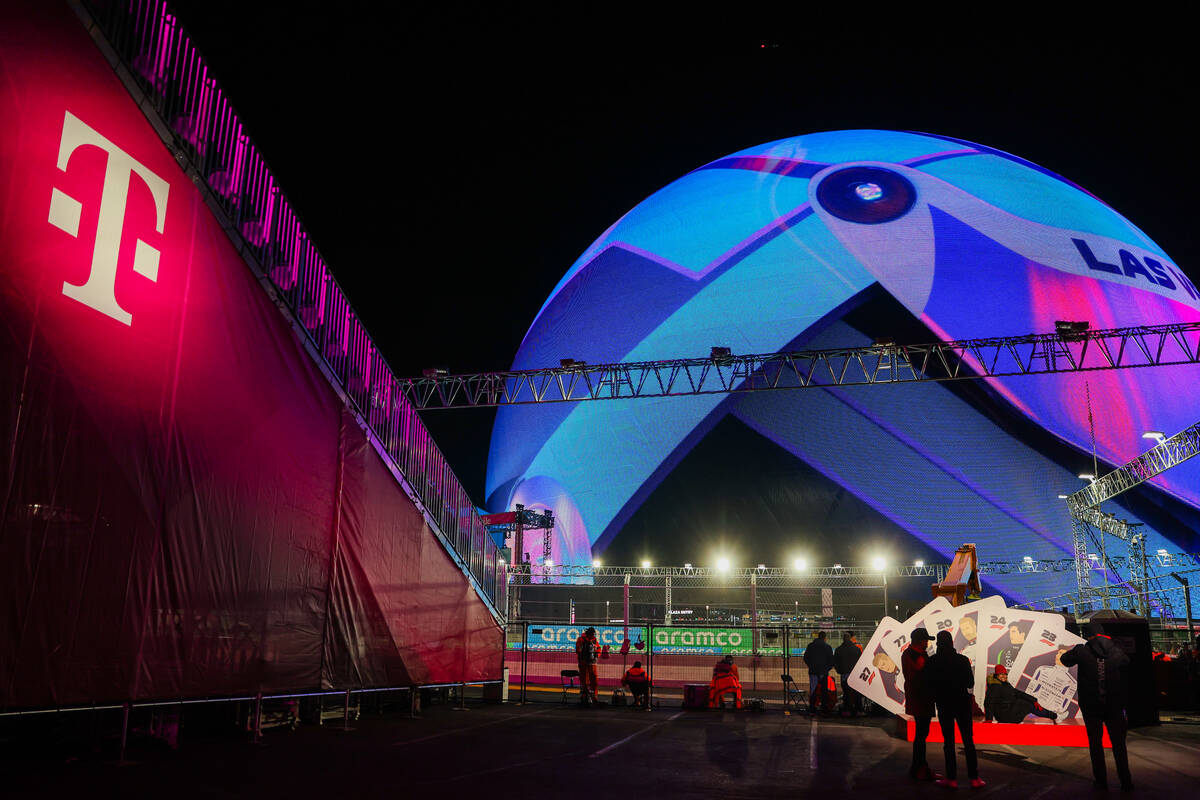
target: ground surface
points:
(550, 750)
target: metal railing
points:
(209, 140)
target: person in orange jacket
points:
(587, 650)
(725, 680)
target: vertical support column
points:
(524, 659)
(754, 612)
(124, 732)
(625, 606)
(667, 608)
(1083, 568)
(519, 535)
(885, 598)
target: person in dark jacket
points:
(818, 657)
(1005, 703)
(844, 659)
(950, 675)
(1103, 697)
(918, 700)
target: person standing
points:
(1103, 697)
(844, 659)
(950, 675)
(587, 650)
(918, 700)
(818, 657)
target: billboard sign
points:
(562, 637)
(721, 641)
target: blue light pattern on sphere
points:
(766, 250)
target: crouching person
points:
(638, 683)
(725, 681)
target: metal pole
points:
(524, 658)
(754, 613)
(667, 611)
(885, 599)
(649, 653)
(1187, 603)
(124, 733)
(346, 711)
(257, 726)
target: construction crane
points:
(1070, 349)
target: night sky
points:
(452, 163)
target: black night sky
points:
(452, 162)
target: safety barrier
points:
(673, 656)
(208, 138)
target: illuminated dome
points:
(830, 240)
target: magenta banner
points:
(188, 508)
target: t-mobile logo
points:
(99, 291)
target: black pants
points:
(919, 736)
(851, 700)
(1095, 719)
(947, 717)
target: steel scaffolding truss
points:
(567, 574)
(1155, 461)
(1086, 516)
(722, 372)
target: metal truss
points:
(722, 372)
(1153, 462)
(1086, 516)
(566, 573)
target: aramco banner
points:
(723, 641)
(562, 637)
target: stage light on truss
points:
(878, 563)
(1028, 559)
(1157, 436)
(548, 562)
(722, 564)
(596, 563)
(1163, 552)
(837, 566)
(1062, 497)
(1093, 557)
(762, 566)
(1087, 476)
(645, 563)
(687, 566)
(800, 564)
(918, 563)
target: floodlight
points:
(687, 566)
(723, 564)
(1092, 557)
(1087, 476)
(878, 563)
(1062, 497)
(800, 563)
(645, 564)
(762, 566)
(1028, 559)
(547, 562)
(1158, 436)
(1163, 552)
(918, 563)
(837, 566)
(502, 562)
(595, 563)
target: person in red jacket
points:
(639, 685)
(725, 681)
(918, 701)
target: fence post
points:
(524, 659)
(649, 649)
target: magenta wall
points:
(187, 507)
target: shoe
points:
(978, 783)
(949, 783)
